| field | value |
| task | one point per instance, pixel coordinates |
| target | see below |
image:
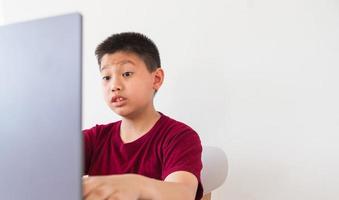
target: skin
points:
(129, 88)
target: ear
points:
(158, 78)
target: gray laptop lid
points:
(40, 109)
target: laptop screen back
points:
(40, 109)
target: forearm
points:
(162, 190)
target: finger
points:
(117, 196)
(99, 193)
(88, 184)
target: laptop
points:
(40, 109)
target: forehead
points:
(119, 59)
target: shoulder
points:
(100, 130)
(175, 125)
(177, 131)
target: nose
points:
(114, 89)
(116, 85)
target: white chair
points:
(215, 169)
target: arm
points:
(178, 185)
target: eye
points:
(127, 74)
(106, 78)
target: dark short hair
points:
(131, 42)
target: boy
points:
(145, 155)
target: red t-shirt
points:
(168, 147)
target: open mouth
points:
(118, 100)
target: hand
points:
(113, 187)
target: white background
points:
(257, 78)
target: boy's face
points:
(128, 85)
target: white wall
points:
(1, 13)
(255, 77)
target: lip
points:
(118, 101)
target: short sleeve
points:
(88, 147)
(182, 152)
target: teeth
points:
(119, 99)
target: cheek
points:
(105, 91)
(144, 88)
(139, 93)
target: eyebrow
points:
(119, 63)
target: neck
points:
(134, 127)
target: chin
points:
(122, 112)
(126, 114)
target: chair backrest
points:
(215, 168)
